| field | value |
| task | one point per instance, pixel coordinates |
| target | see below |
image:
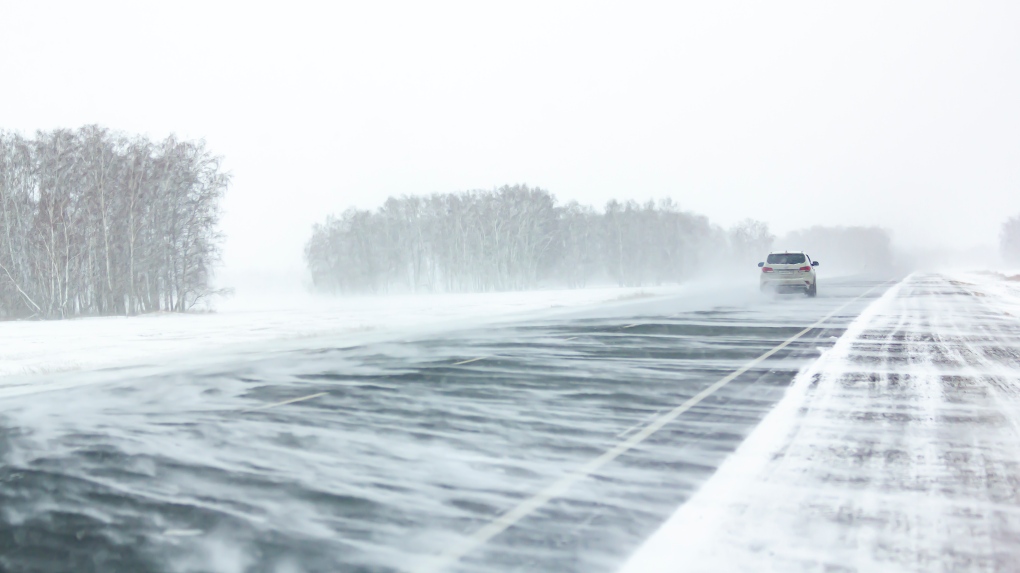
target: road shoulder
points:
(898, 450)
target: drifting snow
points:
(898, 450)
(28, 347)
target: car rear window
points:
(786, 259)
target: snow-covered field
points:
(898, 450)
(28, 347)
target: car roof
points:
(787, 252)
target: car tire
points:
(812, 291)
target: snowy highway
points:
(514, 287)
(472, 449)
(898, 450)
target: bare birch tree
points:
(511, 238)
(99, 223)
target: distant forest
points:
(96, 222)
(518, 237)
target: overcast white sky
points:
(901, 114)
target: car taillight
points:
(766, 269)
(805, 269)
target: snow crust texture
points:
(898, 450)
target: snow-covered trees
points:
(655, 243)
(96, 223)
(511, 238)
(1009, 240)
(750, 240)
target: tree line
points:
(519, 237)
(95, 222)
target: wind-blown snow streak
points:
(898, 450)
(31, 347)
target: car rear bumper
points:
(787, 282)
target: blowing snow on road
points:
(899, 450)
(873, 428)
(505, 287)
(406, 454)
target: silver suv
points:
(789, 270)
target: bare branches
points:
(20, 291)
(511, 238)
(96, 223)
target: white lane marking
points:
(183, 532)
(285, 402)
(470, 361)
(632, 325)
(639, 423)
(434, 564)
(571, 338)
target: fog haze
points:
(901, 115)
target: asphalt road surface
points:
(480, 449)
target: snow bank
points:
(28, 347)
(898, 450)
